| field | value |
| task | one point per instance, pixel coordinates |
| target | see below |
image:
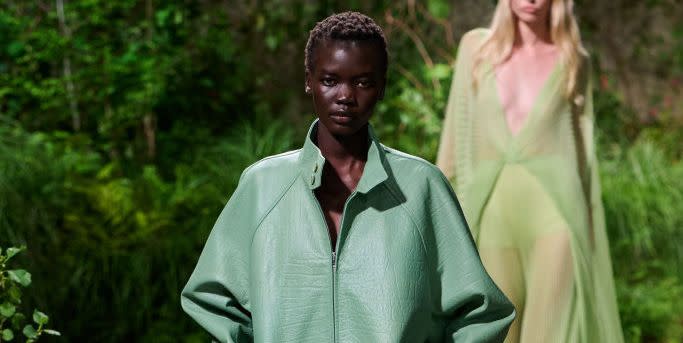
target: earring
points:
(308, 90)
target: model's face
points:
(346, 82)
(531, 11)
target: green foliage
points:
(176, 99)
(411, 119)
(643, 199)
(10, 298)
(125, 241)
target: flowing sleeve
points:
(591, 173)
(455, 142)
(603, 279)
(216, 296)
(470, 304)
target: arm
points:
(585, 146)
(603, 282)
(470, 303)
(216, 296)
(456, 117)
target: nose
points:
(346, 94)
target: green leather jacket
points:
(405, 268)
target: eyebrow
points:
(365, 74)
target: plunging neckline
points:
(534, 104)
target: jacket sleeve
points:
(217, 294)
(469, 302)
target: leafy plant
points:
(11, 282)
(643, 199)
(174, 99)
(121, 238)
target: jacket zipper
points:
(334, 268)
(334, 260)
(334, 296)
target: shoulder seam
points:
(412, 220)
(283, 154)
(407, 156)
(265, 215)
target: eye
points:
(328, 82)
(364, 83)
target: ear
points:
(307, 83)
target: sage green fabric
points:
(532, 201)
(406, 267)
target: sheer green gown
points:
(532, 201)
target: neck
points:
(532, 35)
(343, 149)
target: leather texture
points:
(405, 268)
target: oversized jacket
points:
(405, 268)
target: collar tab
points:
(312, 162)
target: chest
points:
(332, 205)
(380, 270)
(335, 189)
(519, 84)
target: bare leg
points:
(549, 289)
(503, 264)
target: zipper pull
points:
(334, 260)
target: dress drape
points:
(532, 201)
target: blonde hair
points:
(564, 33)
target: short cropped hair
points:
(346, 26)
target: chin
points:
(528, 18)
(341, 130)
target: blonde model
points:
(518, 146)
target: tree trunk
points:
(66, 67)
(149, 120)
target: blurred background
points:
(125, 125)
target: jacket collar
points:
(312, 161)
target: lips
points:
(529, 9)
(342, 117)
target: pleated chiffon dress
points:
(532, 201)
